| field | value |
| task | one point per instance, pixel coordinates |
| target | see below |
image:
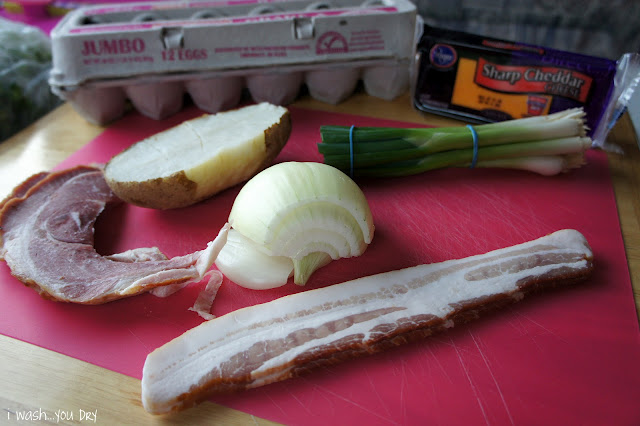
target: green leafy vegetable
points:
(25, 61)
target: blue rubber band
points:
(351, 150)
(474, 160)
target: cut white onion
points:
(300, 214)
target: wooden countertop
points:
(42, 381)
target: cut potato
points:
(200, 157)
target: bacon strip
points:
(47, 228)
(283, 338)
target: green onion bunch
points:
(547, 145)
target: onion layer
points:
(245, 263)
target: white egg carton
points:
(153, 53)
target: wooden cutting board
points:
(564, 357)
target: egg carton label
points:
(98, 52)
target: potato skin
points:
(162, 193)
(275, 138)
(177, 190)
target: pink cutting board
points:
(569, 356)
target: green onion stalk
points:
(547, 145)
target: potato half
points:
(200, 157)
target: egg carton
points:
(152, 53)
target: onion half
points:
(294, 217)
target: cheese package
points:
(481, 79)
(152, 54)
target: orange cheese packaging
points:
(481, 79)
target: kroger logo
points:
(443, 55)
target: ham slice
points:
(283, 338)
(47, 229)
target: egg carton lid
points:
(126, 41)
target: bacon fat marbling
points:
(283, 338)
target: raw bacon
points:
(47, 230)
(283, 338)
